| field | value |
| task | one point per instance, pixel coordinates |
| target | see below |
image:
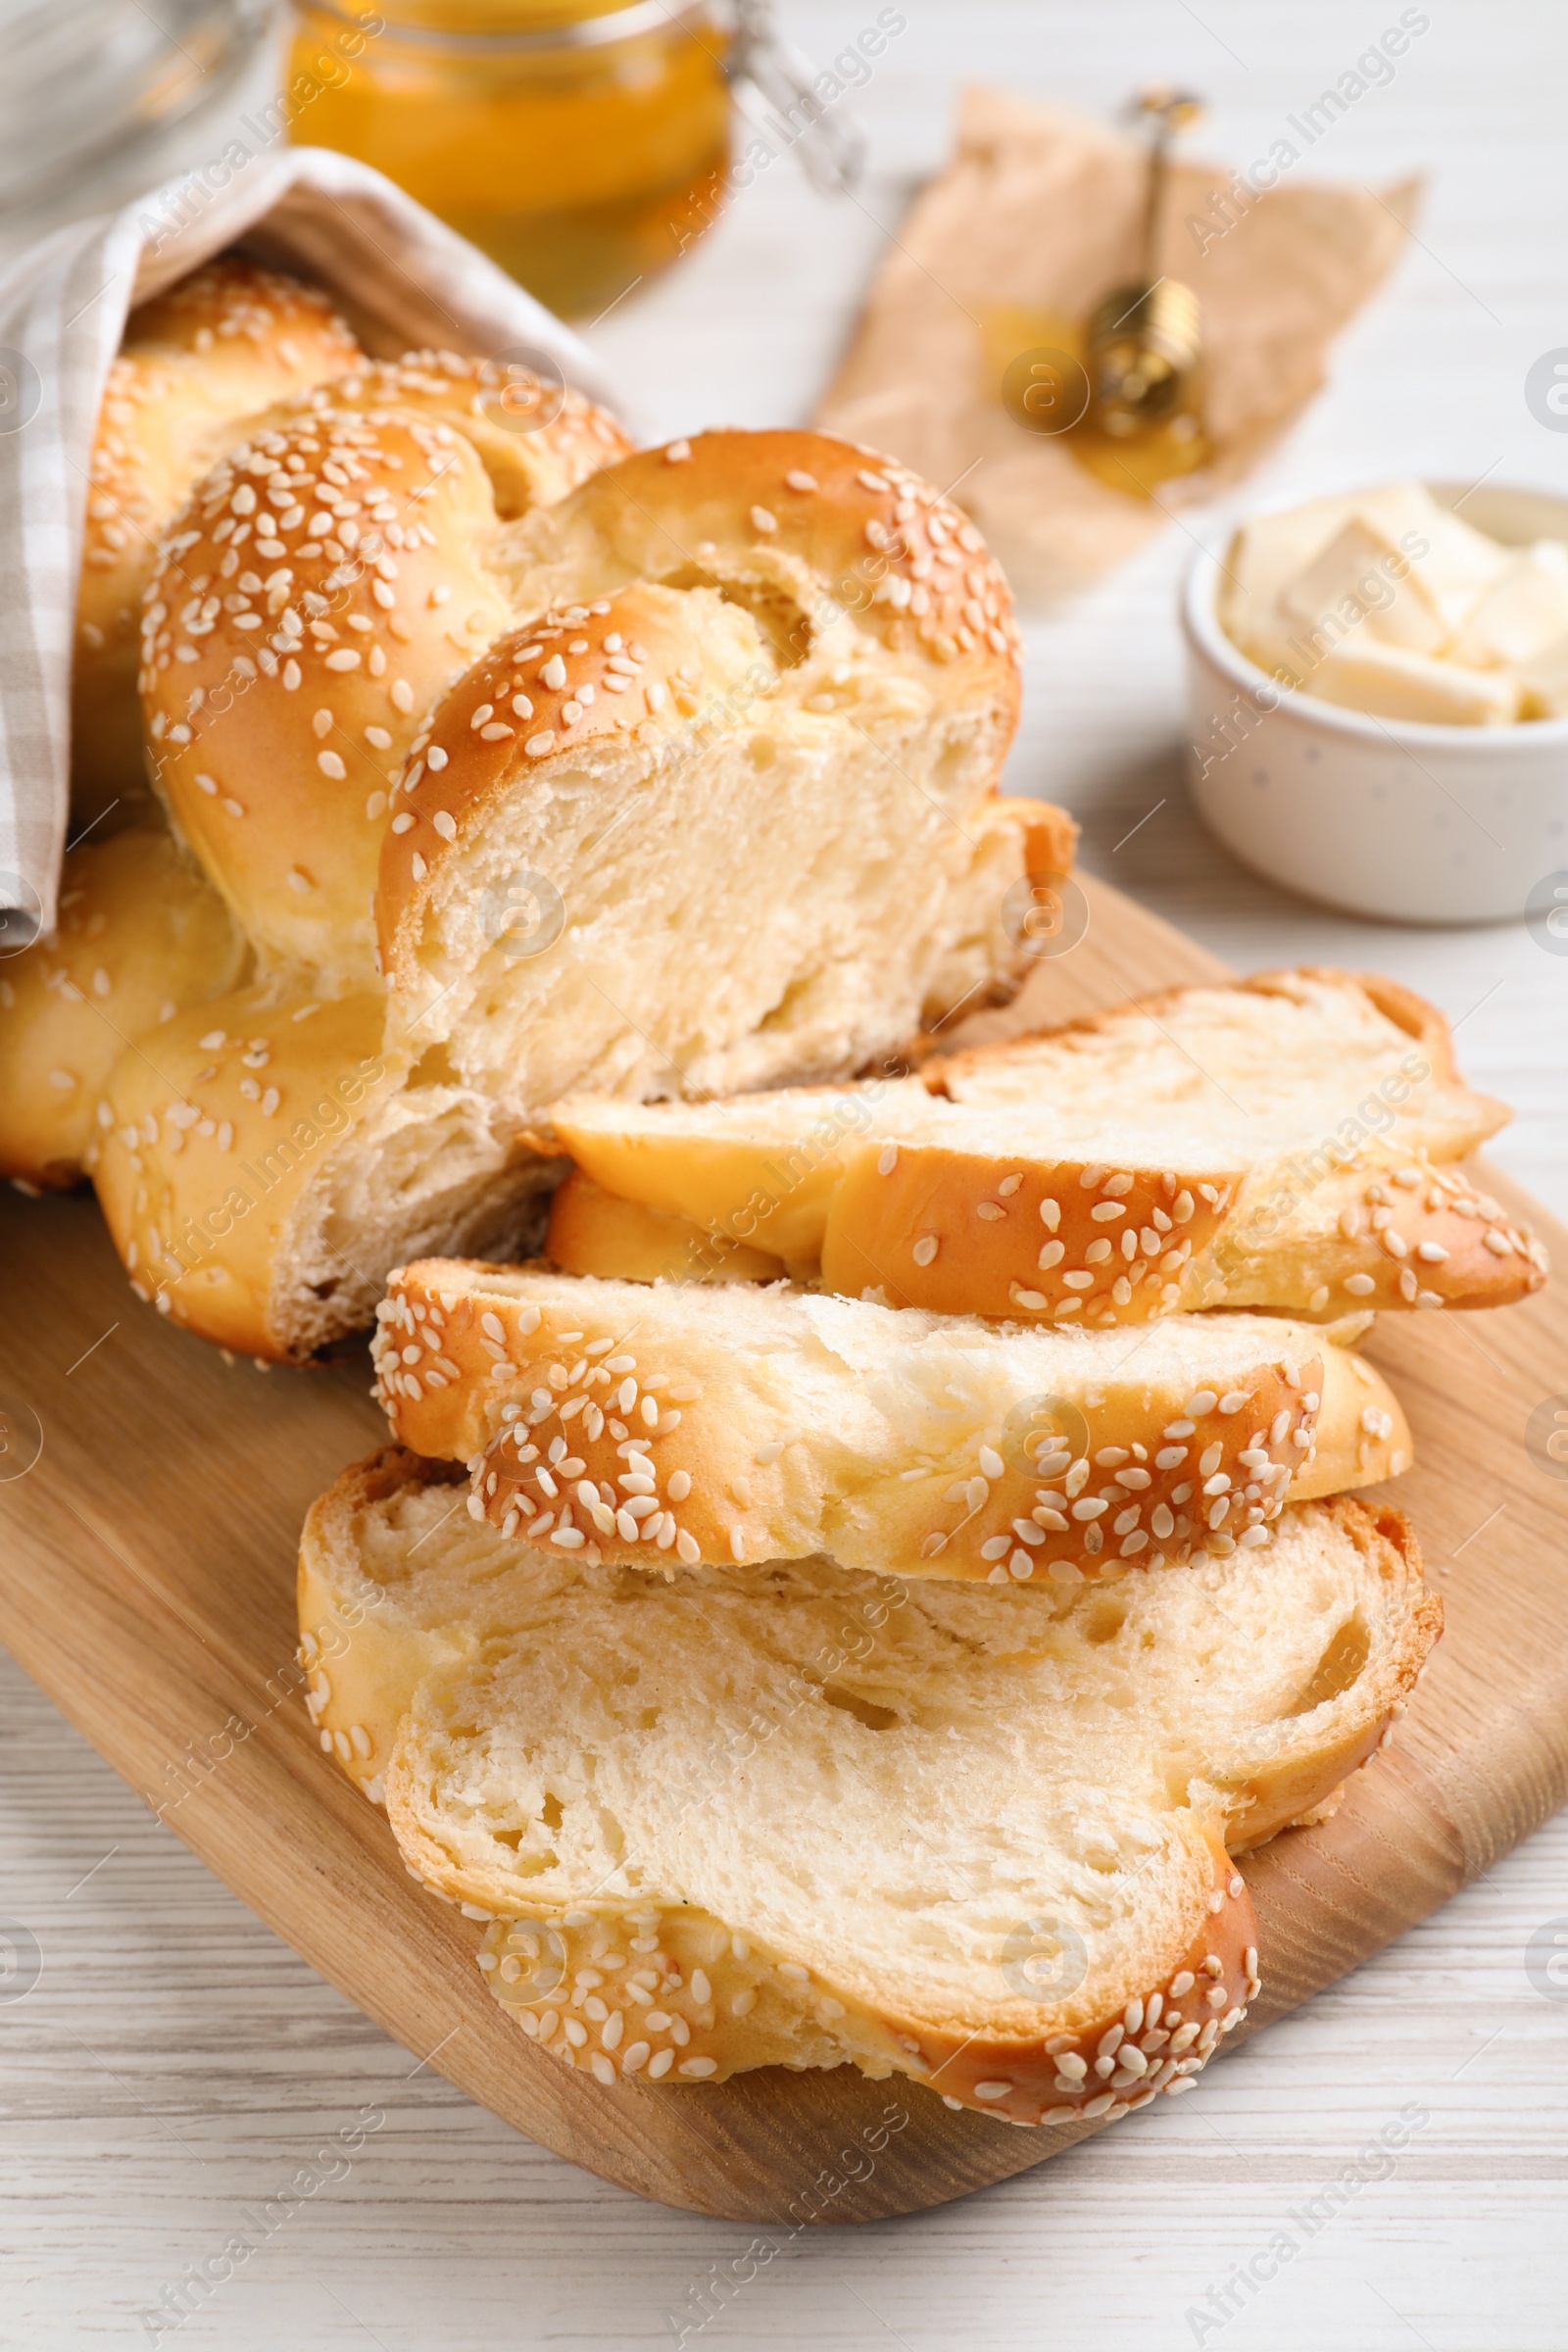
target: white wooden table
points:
(173, 2066)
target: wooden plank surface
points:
(146, 1584)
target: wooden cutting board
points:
(147, 1578)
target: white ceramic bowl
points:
(1413, 823)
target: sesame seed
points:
(537, 745)
(331, 765)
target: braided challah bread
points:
(718, 815)
(788, 1814)
(221, 345)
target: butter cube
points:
(1525, 608)
(1387, 682)
(1544, 679)
(1265, 556)
(1365, 585)
(1459, 561)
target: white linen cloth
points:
(403, 282)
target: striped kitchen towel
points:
(403, 282)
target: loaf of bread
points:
(676, 1423)
(1280, 1142)
(141, 936)
(712, 828)
(195, 362)
(796, 1815)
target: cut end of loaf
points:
(594, 836)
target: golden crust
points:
(290, 649)
(1379, 1233)
(226, 341)
(963, 1233)
(140, 937)
(538, 442)
(204, 1158)
(485, 1376)
(940, 1230)
(791, 2016)
(871, 538)
(1361, 1240)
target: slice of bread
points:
(669, 1424)
(800, 1816)
(1275, 1143)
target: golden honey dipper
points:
(1145, 340)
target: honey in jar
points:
(578, 142)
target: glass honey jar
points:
(576, 141)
